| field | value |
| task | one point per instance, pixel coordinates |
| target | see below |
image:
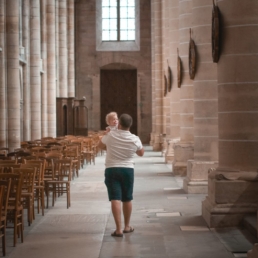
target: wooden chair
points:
(27, 192)
(62, 175)
(88, 151)
(71, 152)
(39, 181)
(6, 185)
(8, 167)
(14, 206)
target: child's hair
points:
(109, 115)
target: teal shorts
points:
(119, 182)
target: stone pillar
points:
(13, 82)
(26, 71)
(63, 48)
(57, 46)
(51, 67)
(236, 194)
(205, 103)
(35, 65)
(3, 103)
(44, 118)
(70, 46)
(157, 75)
(184, 148)
(173, 116)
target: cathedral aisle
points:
(167, 221)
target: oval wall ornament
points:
(169, 78)
(178, 70)
(215, 32)
(192, 57)
(166, 85)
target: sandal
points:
(129, 231)
(114, 234)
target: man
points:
(121, 146)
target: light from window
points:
(118, 20)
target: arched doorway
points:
(118, 92)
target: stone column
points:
(44, 118)
(57, 47)
(3, 104)
(205, 103)
(70, 46)
(13, 82)
(232, 188)
(26, 71)
(63, 48)
(51, 68)
(157, 75)
(184, 148)
(35, 65)
(173, 127)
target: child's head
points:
(112, 119)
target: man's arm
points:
(140, 152)
(102, 145)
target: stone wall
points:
(89, 61)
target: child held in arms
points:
(112, 121)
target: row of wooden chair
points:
(39, 168)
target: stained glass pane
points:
(123, 12)
(131, 2)
(131, 24)
(123, 24)
(113, 3)
(123, 35)
(113, 24)
(131, 35)
(124, 2)
(105, 12)
(105, 35)
(113, 12)
(113, 35)
(131, 12)
(105, 2)
(105, 24)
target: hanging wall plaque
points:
(192, 57)
(178, 70)
(166, 85)
(215, 33)
(169, 78)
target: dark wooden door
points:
(119, 94)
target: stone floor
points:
(167, 221)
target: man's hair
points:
(110, 115)
(125, 121)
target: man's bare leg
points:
(116, 210)
(127, 210)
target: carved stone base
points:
(231, 196)
(156, 144)
(169, 155)
(183, 152)
(195, 187)
(254, 252)
(197, 176)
